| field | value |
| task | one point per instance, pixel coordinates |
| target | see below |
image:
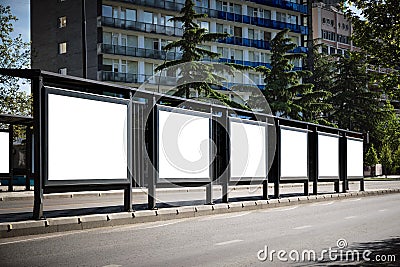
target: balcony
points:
(119, 77)
(284, 5)
(139, 52)
(141, 26)
(172, 5)
(261, 44)
(212, 13)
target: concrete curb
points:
(63, 224)
(28, 195)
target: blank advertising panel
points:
(328, 156)
(294, 154)
(248, 150)
(355, 162)
(87, 139)
(4, 152)
(184, 145)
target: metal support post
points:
(37, 84)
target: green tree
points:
(14, 53)
(376, 31)
(196, 76)
(285, 93)
(371, 158)
(386, 159)
(396, 159)
(355, 106)
(387, 130)
(322, 78)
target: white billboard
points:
(248, 150)
(86, 139)
(184, 145)
(294, 154)
(4, 152)
(328, 156)
(355, 161)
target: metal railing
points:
(172, 5)
(139, 52)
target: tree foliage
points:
(371, 158)
(386, 159)
(285, 93)
(355, 106)
(377, 29)
(14, 53)
(324, 69)
(196, 76)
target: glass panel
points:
(106, 37)
(131, 14)
(107, 11)
(147, 17)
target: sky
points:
(20, 9)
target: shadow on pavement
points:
(382, 253)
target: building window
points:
(332, 51)
(62, 48)
(62, 71)
(204, 25)
(107, 11)
(62, 22)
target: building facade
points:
(330, 27)
(125, 38)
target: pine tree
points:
(322, 78)
(355, 106)
(196, 76)
(285, 94)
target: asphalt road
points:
(11, 211)
(368, 223)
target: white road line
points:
(159, 225)
(323, 203)
(35, 239)
(229, 242)
(382, 210)
(302, 227)
(112, 265)
(350, 217)
(223, 216)
(280, 209)
(351, 200)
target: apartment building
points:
(331, 28)
(125, 38)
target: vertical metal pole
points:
(314, 160)
(209, 187)
(226, 159)
(84, 41)
(343, 161)
(37, 83)
(266, 147)
(362, 186)
(151, 193)
(28, 160)
(306, 189)
(337, 187)
(277, 160)
(11, 156)
(128, 189)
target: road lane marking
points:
(223, 216)
(323, 203)
(302, 227)
(281, 209)
(382, 210)
(112, 265)
(229, 242)
(35, 239)
(351, 200)
(350, 217)
(159, 225)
